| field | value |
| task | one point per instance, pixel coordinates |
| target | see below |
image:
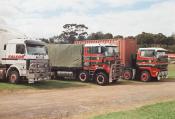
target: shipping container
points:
(126, 47)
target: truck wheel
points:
(101, 78)
(145, 76)
(127, 74)
(13, 77)
(83, 76)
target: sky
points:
(45, 18)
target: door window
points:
(20, 49)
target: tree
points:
(108, 36)
(99, 35)
(169, 41)
(145, 39)
(73, 32)
(118, 36)
(44, 40)
(159, 38)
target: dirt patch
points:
(83, 102)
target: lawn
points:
(157, 111)
(171, 71)
(50, 84)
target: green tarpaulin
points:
(65, 55)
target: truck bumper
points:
(162, 75)
(32, 78)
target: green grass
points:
(50, 84)
(171, 71)
(157, 111)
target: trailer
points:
(87, 62)
(143, 63)
(22, 58)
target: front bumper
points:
(34, 77)
(162, 75)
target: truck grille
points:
(38, 66)
(162, 67)
(116, 69)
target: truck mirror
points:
(154, 54)
(46, 50)
(99, 49)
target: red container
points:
(126, 46)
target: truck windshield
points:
(148, 53)
(36, 49)
(160, 53)
(111, 50)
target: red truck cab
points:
(100, 62)
(152, 63)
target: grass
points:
(171, 71)
(157, 111)
(50, 84)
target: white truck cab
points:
(24, 59)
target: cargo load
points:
(65, 55)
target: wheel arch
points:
(145, 69)
(148, 77)
(127, 70)
(12, 68)
(101, 70)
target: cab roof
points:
(99, 44)
(153, 48)
(27, 41)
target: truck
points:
(97, 62)
(22, 58)
(145, 64)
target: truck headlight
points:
(98, 58)
(46, 65)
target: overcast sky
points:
(45, 18)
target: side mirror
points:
(99, 50)
(46, 50)
(154, 53)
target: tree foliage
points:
(149, 39)
(118, 36)
(44, 40)
(73, 32)
(99, 35)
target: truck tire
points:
(101, 78)
(13, 77)
(145, 76)
(127, 74)
(83, 76)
